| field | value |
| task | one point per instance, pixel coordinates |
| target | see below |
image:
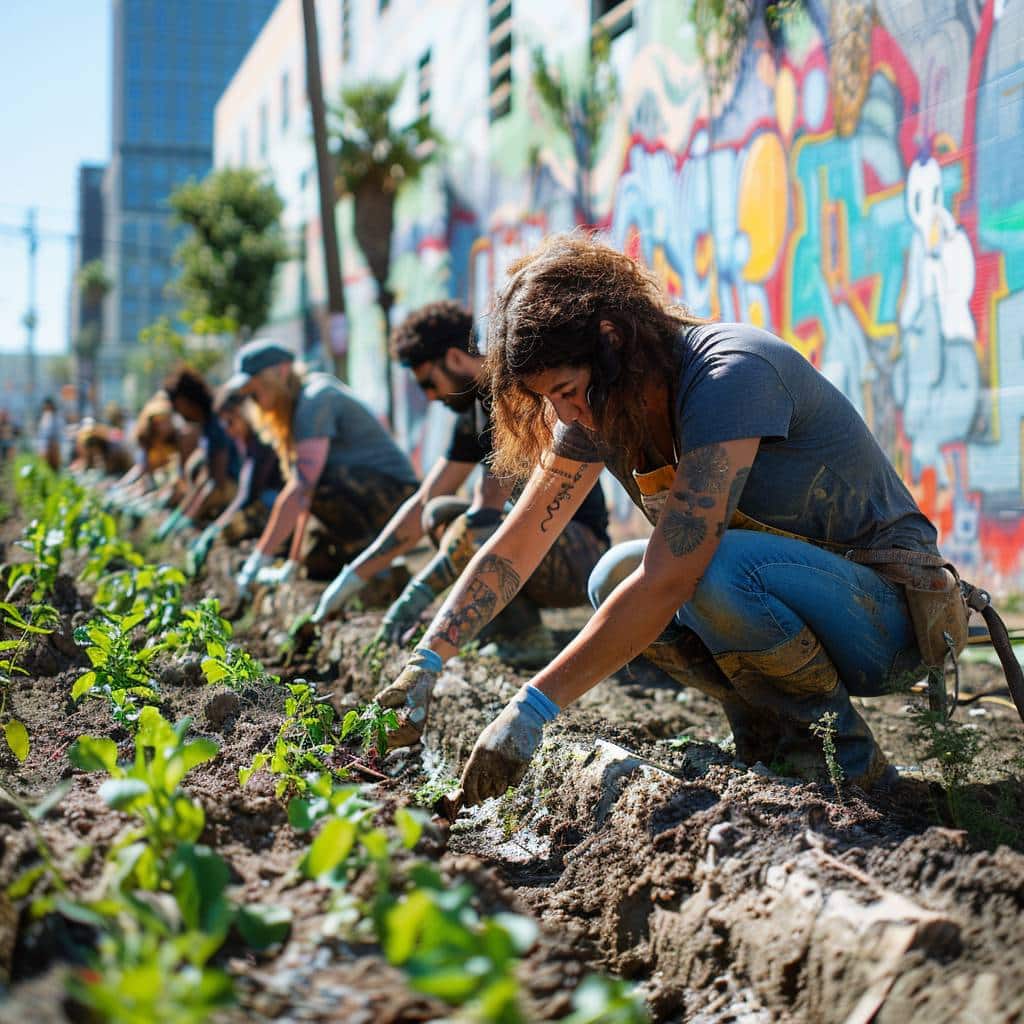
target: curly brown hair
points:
(548, 315)
(428, 332)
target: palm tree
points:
(93, 286)
(373, 160)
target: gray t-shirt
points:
(326, 408)
(818, 472)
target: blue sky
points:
(55, 84)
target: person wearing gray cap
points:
(342, 466)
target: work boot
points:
(681, 655)
(797, 685)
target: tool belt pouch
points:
(936, 603)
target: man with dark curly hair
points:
(437, 344)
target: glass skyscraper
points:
(171, 62)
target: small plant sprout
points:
(41, 620)
(119, 672)
(232, 667)
(370, 725)
(825, 730)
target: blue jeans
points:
(760, 591)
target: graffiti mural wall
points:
(857, 188)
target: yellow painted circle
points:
(763, 202)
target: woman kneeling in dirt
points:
(340, 465)
(757, 475)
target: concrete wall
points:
(859, 190)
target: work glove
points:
(247, 574)
(195, 557)
(405, 612)
(346, 584)
(410, 695)
(503, 751)
(176, 521)
(274, 576)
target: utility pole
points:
(29, 319)
(335, 330)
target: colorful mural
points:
(859, 190)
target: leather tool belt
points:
(940, 605)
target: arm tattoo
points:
(508, 578)
(459, 625)
(706, 469)
(564, 490)
(684, 533)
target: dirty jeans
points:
(761, 591)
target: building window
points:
(346, 30)
(499, 42)
(264, 141)
(614, 16)
(285, 101)
(423, 84)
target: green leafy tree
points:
(580, 110)
(162, 347)
(230, 256)
(373, 160)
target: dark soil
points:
(726, 892)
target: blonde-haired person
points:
(159, 444)
(757, 475)
(340, 464)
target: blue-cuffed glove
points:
(345, 585)
(247, 574)
(176, 521)
(503, 751)
(275, 575)
(405, 612)
(199, 549)
(410, 695)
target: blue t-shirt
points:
(818, 472)
(214, 439)
(326, 408)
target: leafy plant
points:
(152, 591)
(198, 627)
(304, 743)
(41, 620)
(233, 667)
(119, 672)
(370, 725)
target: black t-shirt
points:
(472, 441)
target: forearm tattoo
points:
(705, 471)
(564, 490)
(459, 625)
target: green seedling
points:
(825, 730)
(154, 591)
(119, 672)
(46, 545)
(198, 627)
(42, 619)
(232, 667)
(373, 654)
(370, 725)
(304, 745)
(149, 788)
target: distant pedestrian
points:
(49, 432)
